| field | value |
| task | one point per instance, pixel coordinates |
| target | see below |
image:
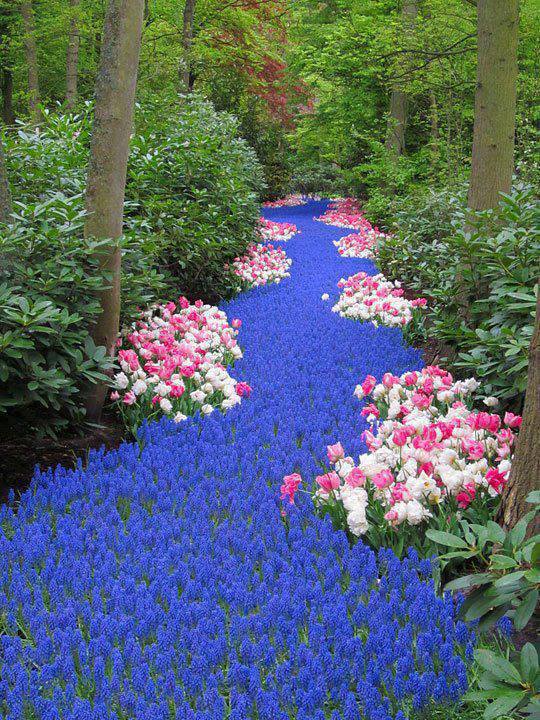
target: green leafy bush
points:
(479, 275)
(48, 283)
(511, 683)
(191, 207)
(196, 184)
(506, 580)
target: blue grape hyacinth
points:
(160, 581)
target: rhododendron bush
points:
(262, 264)
(276, 231)
(174, 362)
(430, 460)
(287, 201)
(372, 297)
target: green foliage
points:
(192, 206)
(507, 581)
(48, 283)
(479, 275)
(196, 184)
(511, 684)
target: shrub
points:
(48, 283)
(197, 184)
(191, 208)
(479, 276)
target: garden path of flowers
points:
(163, 582)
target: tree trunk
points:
(8, 114)
(525, 472)
(72, 59)
(115, 97)
(5, 195)
(397, 116)
(495, 102)
(186, 83)
(434, 132)
(30, 49)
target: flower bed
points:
(287, 201)
(374, 298)
(345, 213)
(174, 362)
(276, 231)
(429, 457)
(262, 264)
(359, 245)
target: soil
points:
(19, 456)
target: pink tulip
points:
(513, 421)
(356, 478)
(335, 452)
(328, 482)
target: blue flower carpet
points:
(161, 582)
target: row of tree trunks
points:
(115, 97)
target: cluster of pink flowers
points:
(271, 231)
(374, 298)
(287, 201)
(262, 264)
(173, 363)
(429, 454)
(363, 244)
(345, 213)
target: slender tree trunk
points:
(434, 132)
(525, 473)
(186, 84)
(397, 116)
(115, 97)
(5, 195)
(30, 49)
(72, 59)
(495, 102)
(8, 114)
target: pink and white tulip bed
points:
(374, 298)
(345, 213)
(287, 201)
(359, 245)
(430, 456)
(271, 231)
(262, 264)
(174, 363)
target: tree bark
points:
(30, 49)
(72, 58)
(525, 472)
(115, 97)
(397, 116)
(8, 114)
(434, 132)
(186, 82)
(495, 102)
(5, 195)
